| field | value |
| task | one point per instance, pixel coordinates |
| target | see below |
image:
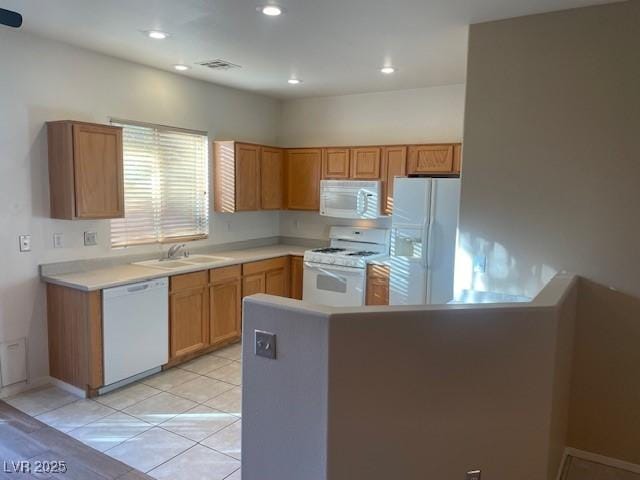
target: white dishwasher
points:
(135, 321)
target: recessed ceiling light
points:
(294, 81)
(271, 10)
(157, 34)
(387, 70)
(181, 68)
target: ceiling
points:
(334, 46)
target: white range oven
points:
(350, 198)
(336, 275)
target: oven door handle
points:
(333, 268)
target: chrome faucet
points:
(172, 254)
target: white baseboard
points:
(20, 387)
(597, 458)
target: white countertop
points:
(100, 278)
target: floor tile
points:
(232, 352)
(237, 475)
(205, 364)
(227, 440)
(231, 373)
(74, 415)
(41, 400)
(201, 389)
(198, 463)
(150, 449)
(229, 401)
(110, 431)
(199, 422)
(127, 396)
(160, 408)
(169, 378)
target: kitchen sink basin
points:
(182, 262)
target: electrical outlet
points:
(25, 243)
(265, 344)
(479, 264)
(90, 239)
(473, 475)
(57, 240)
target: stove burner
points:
(362, 253)
(328, 250)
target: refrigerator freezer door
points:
(408, 281)
(411, 198)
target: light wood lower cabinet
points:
(377, 285)
(296, 268)
(74, 320)
(225, 297)
(188, 314)
(266, 276)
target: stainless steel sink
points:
(182, 262)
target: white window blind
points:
(166, 181)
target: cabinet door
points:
(365, 163)
(247, 177)
(254, 283)
(277, 282)
(225, 299)
(98, 174)
(335, 163)
(272, 175)
(303, 168)
(394, 161)
(430, 159)
(377, 285)
(297, 269)
(189, 321)
(457, 158)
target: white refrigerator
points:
(423, 240)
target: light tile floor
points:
(183, 423)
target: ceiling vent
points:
(219, 64)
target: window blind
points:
(166, 180)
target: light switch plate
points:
(57, 240)
(90, 239)
(25, 243)
(265, 344)
(473, 475)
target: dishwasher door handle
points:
(138, 288)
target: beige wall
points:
(551, 170)
(44, 80)
(550, 183)
(410, 393)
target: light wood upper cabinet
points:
(188, 314)
(85, 170)
(296, 268)
(225, 297)
(377, 285)
(457, 158)
(303, 167)
(272, 178)
(394, 164)
(365, 163)
(247, 177)
(335, 163)
(430, 159)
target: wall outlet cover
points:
(90, 239)
(265, 344)
(57, 240)
(25, 243)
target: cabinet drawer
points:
(188, 280)
(264, 265)
(217, 275)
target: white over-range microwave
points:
(350, 198)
